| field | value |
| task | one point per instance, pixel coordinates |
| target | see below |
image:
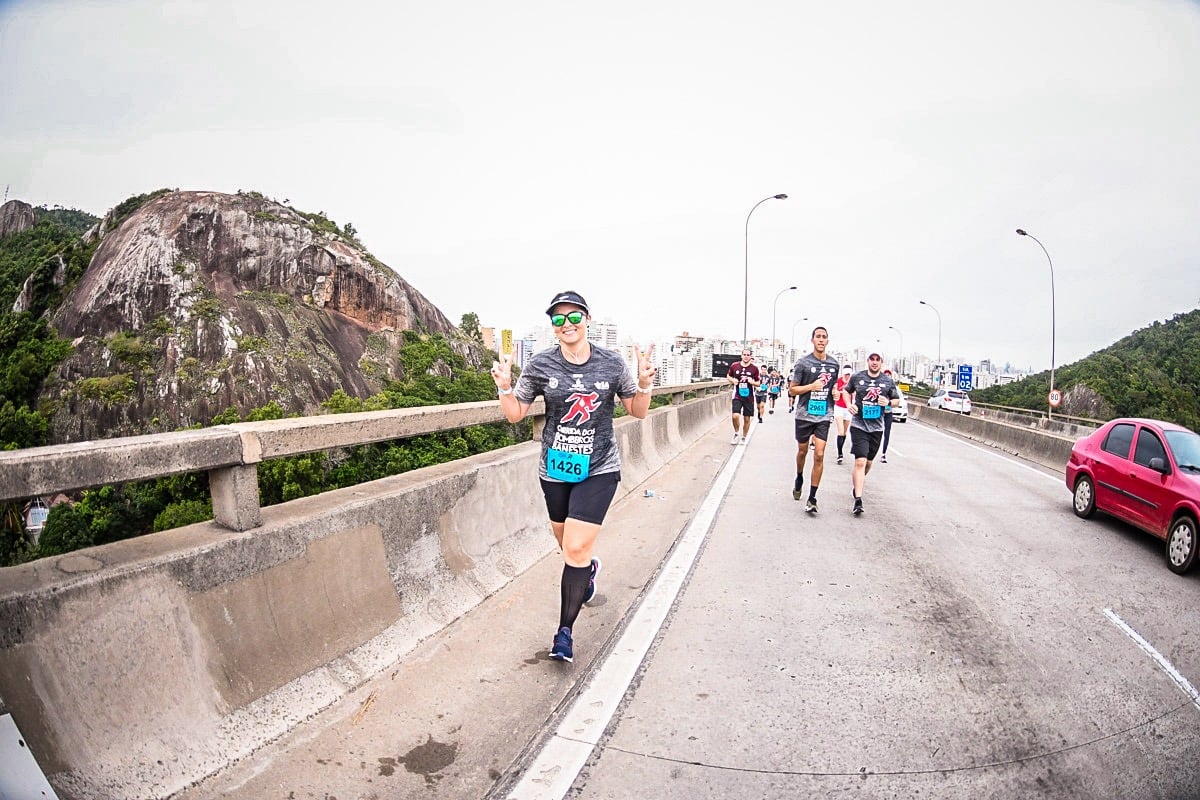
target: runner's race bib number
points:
(568, 467)
(744, 390)
(872, 410)
(817, 408)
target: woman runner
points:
(580, 466)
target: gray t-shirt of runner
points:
(870, 395)
(580, 399)
(808, 369)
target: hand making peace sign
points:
(646, 369)
(502, 372)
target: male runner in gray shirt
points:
(811, 384)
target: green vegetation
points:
(130, 349)
(71, 219)
(252, 344)
(29, 349)
(1152, 373)
(109, 389)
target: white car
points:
(950, 400)
(900, 413)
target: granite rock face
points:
(16, 216)
(201, 301)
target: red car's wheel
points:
(1181, 545)
(1085, 497)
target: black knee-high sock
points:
(574, 587)
(841, 442)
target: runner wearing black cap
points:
(867, 393)
(580, 465)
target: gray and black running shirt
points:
(578, 439)
(816, 405)
(871, 395)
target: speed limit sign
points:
(1055, 397)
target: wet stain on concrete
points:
(427, 760)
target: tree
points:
(470, 326)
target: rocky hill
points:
(199, 301)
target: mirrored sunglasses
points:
(573, 317)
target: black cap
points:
(574, 298)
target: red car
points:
(1144, 472)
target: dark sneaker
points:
(839, 459)
(561, 651)
(858, 508)
(772, 411)
(591, 590)
(798, 494)
(883, 458)
(811, 505)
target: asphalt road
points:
(966, 637)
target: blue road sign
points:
(964, 378)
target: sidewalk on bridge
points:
(454, 716)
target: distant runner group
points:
(858, 403)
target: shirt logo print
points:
(582, 406)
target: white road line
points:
(1166, 666)
(992, 452)
(558, 763)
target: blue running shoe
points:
(591, 590)
(561, 651)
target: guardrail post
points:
(235, 497)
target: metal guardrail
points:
(230, 454)
(1029, 412)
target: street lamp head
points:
(1021, 232)
(781, 197)
(790, 288)
(922, 302)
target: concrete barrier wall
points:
(1048, 448)
(135, 669)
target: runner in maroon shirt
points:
(745, 378)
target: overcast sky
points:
(495, 153)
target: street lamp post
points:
(939, 354)
(897, 330)
(1050, 412)
(774, 310)
(746, 278)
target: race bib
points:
(871, 411)
(818, 408)
(744, 390)
(568, 467)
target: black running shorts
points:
(864, 444)
(744, 406)
(806, 428)
(586, 501)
